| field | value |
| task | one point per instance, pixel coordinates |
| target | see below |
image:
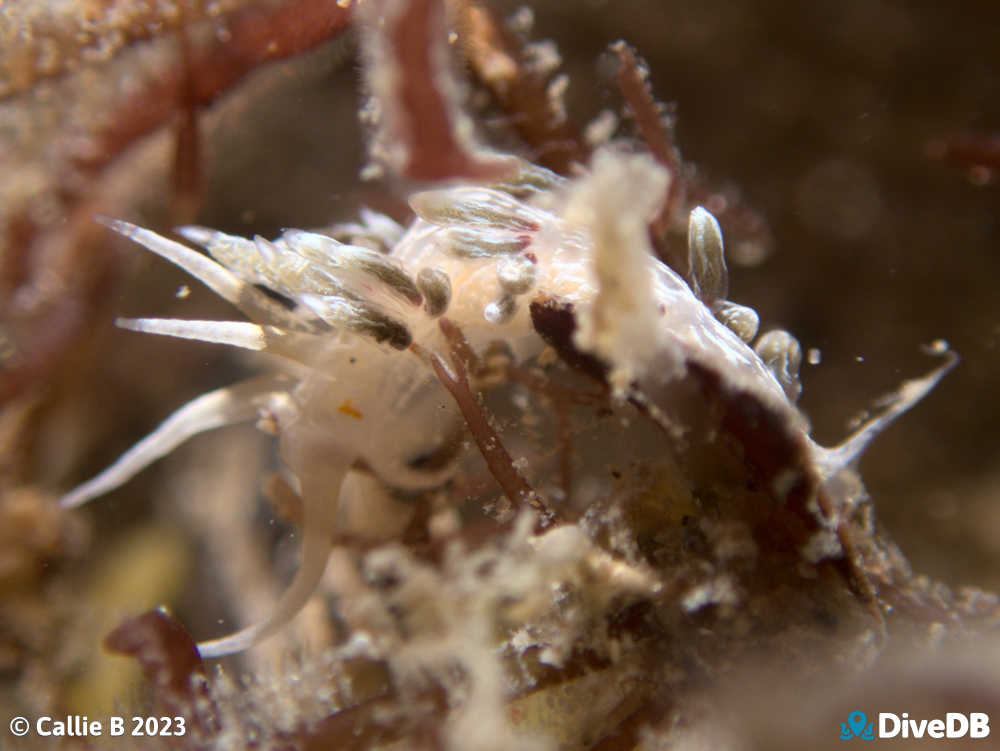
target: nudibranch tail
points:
(899, 402)
(227, 406)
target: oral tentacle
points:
(319, 517)
(227, 406)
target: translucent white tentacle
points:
(247, 298)
(908, 394)
(293, 345)
(233, 333)
(216, 409)
(321, 469)
(315, 552)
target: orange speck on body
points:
(348, 409)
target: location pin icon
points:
(857, 721)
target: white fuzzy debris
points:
(522, 20)
(717, 591)
(556, 94)
(371, 171)
(614, 204)
(542, 58)
(822, 545)
(600, 130)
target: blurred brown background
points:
(819, 113)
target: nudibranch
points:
(371, 321)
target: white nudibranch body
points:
(360, 405)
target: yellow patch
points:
(347, 409)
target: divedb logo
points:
(952, 725)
